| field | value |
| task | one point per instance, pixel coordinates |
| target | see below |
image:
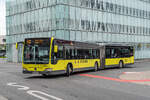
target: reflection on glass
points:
(36, 53)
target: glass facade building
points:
(100, 21)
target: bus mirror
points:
(55, 49)
(16, 45)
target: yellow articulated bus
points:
(49, 56)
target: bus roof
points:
(120, 45)
(87, 44)
(78, 44)
(116, 44)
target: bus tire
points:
(96, 67)
(69, 70)
(121, 64)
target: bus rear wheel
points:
(69, 70)
(121, 65)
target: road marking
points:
(101, 77)
(132, 72)
(20, 87)
(34, 93)
(113, 79)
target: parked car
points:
(2, 53)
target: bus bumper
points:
(44, 72)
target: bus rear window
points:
(118, 52)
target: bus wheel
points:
(121, 65)
(68, 70)
(96, 67)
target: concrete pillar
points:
(14, 53)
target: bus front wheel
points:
(69, 70)
(121, 65)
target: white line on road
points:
(11, 70)
(20, 87)
(35, 94)
(132, 72)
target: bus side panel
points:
(129, 60)
(59, 66)
(76, 64)
(88, 63)
(62, 64)
(94, 61)
(82, 63)
(112, 61)
(132, 60)
(115, 61)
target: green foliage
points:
(139, 45)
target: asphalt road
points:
(101, 85)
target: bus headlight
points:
(48, 69)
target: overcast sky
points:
(2, 18)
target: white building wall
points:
(14, 53)
(79, 20)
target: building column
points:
(14, 53)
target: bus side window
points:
(131, 51)
(118, 52)
(60, 53)
(94, 53)
(125, 52)
(82, 53)
(113, 53)
(108, 53)
(87, 54)
(68, 53)
(79, 53)
(90, 54)
(97, 53)
(72, 53)
(75, 53)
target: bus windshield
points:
(36, 51)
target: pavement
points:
(137, 77)
(142, 60)
(3, 98)
(109, 84)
